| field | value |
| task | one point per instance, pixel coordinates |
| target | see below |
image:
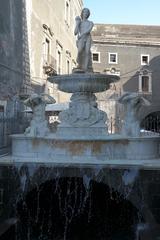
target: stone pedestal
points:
(83, 118)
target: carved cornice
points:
(126, 42)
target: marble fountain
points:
(82, 146)
(82, 135)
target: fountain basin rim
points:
(84, 76)
(113, 137)
(83, 82)
(153, 164)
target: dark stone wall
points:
(9, 188)
(11, 74)
(13, 55)
(137, 192)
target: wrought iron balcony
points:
(49, 64)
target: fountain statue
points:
(83, 31)
(132, 102)
(83, 118)
(38, 125)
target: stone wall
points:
(14, 65)
(11, 69)
(24, 29)
(135, 191)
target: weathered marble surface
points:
(132, 102)
(84, 150)
(39, 124)
(83, 30)
(83, 118)
(83, 82)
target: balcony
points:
(49, 65)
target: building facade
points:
(133, 53)
(36, 41)
(11, 55)
(51, 41)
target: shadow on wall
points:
(14, 53)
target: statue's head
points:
(85, 13)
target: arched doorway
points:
(71, 209)
(151, 122)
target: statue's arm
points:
(88, 30)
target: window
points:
(3, 105)
(113, 58)
(144, 59)
(96, 57)
(145, 82)
(47, 47)
(59, 50)
(59, 63)
(68, 67)
(1, 196)
(1, 108)
(1, 111)
(46, 50)
(67, 12)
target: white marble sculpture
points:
(83, 31)
(132, 102)
(38, 126)
(83, 112)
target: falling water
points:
(52, 205)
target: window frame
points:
(68, 66)
(143, 79)
(59, 57)
(145, 74)
(3, 104)
(47, 48)
(143, 63)
(109, 60)
(99, 55)
(1, 195)
(67, 12)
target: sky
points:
(141, 12)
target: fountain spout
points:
(132, 102)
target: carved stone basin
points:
(83, 82)
(83, 114)
(84, 149)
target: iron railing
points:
(16, 125)
(9, 126)
(151, 124)
(49, 64)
